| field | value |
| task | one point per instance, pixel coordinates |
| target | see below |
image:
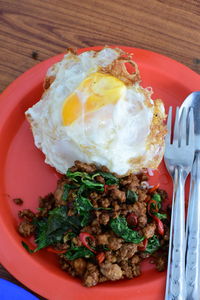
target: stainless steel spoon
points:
(193, 218)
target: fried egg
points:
(95, 111)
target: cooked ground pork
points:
(26, 229)
(116, 194)
(130, 271)
(18, 201)
(101, 225)
(26, 214)
(111, 271)
(79, 266)
(149, 230)
(161, 263)
(126, 251)
(91, 276)
(114, 243)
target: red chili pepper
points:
(109, 187)
(147, 199)
(100, 257)
(154, 188)
(136, 228)
(50, 249)
(152, 210)
(143, 248)
(83, 236)
(132, 219)
(159, 225)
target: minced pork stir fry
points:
(101, 225)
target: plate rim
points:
(28, 72)
(184, 70)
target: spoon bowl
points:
(193, 100)
(193, 216)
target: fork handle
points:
(193, 234)
(175, 286)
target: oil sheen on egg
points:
(94, 111)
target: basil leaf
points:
(120, 227)
(103, 208)
(82, 190)
(41, 235)
(77, 176)
(60, 211)
(56, 217)
(27, 247)
(109, 178)
(93, 185)
(160, 216)
(68, 236)
(158, 199)
(86, 179)
(153, 244)
(58, 220)
(82, 204)
(83, 208)
(67, 188)
(86, 218)
(77, 252)
(71, 222)
(131, 197)
(51, 230)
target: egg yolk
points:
(96, 91)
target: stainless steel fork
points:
(178, 158)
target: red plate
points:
(24, 174)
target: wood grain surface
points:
(170, 27)
(33, 30)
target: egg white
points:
(116, 135)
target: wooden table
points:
(34, 30)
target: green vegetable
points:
(83, 208)
(109, 178)
(77, 176)
(69, 222)
(131, 197)
(86, 179)
(93, 185)
(68, 236)
(77, 252)
(85, 218)
(82, 190)
(51, 230)
(120, 227)
(158, 199)
(153, 244)
(103, 208)
(82, 204)
(67, 188)
(60, 211)
(160, 216)
(27, 247)
(58, 219)
(41, 235)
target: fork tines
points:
(183, 128)
(179, 156)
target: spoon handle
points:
(175, 285)
(193, 234)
